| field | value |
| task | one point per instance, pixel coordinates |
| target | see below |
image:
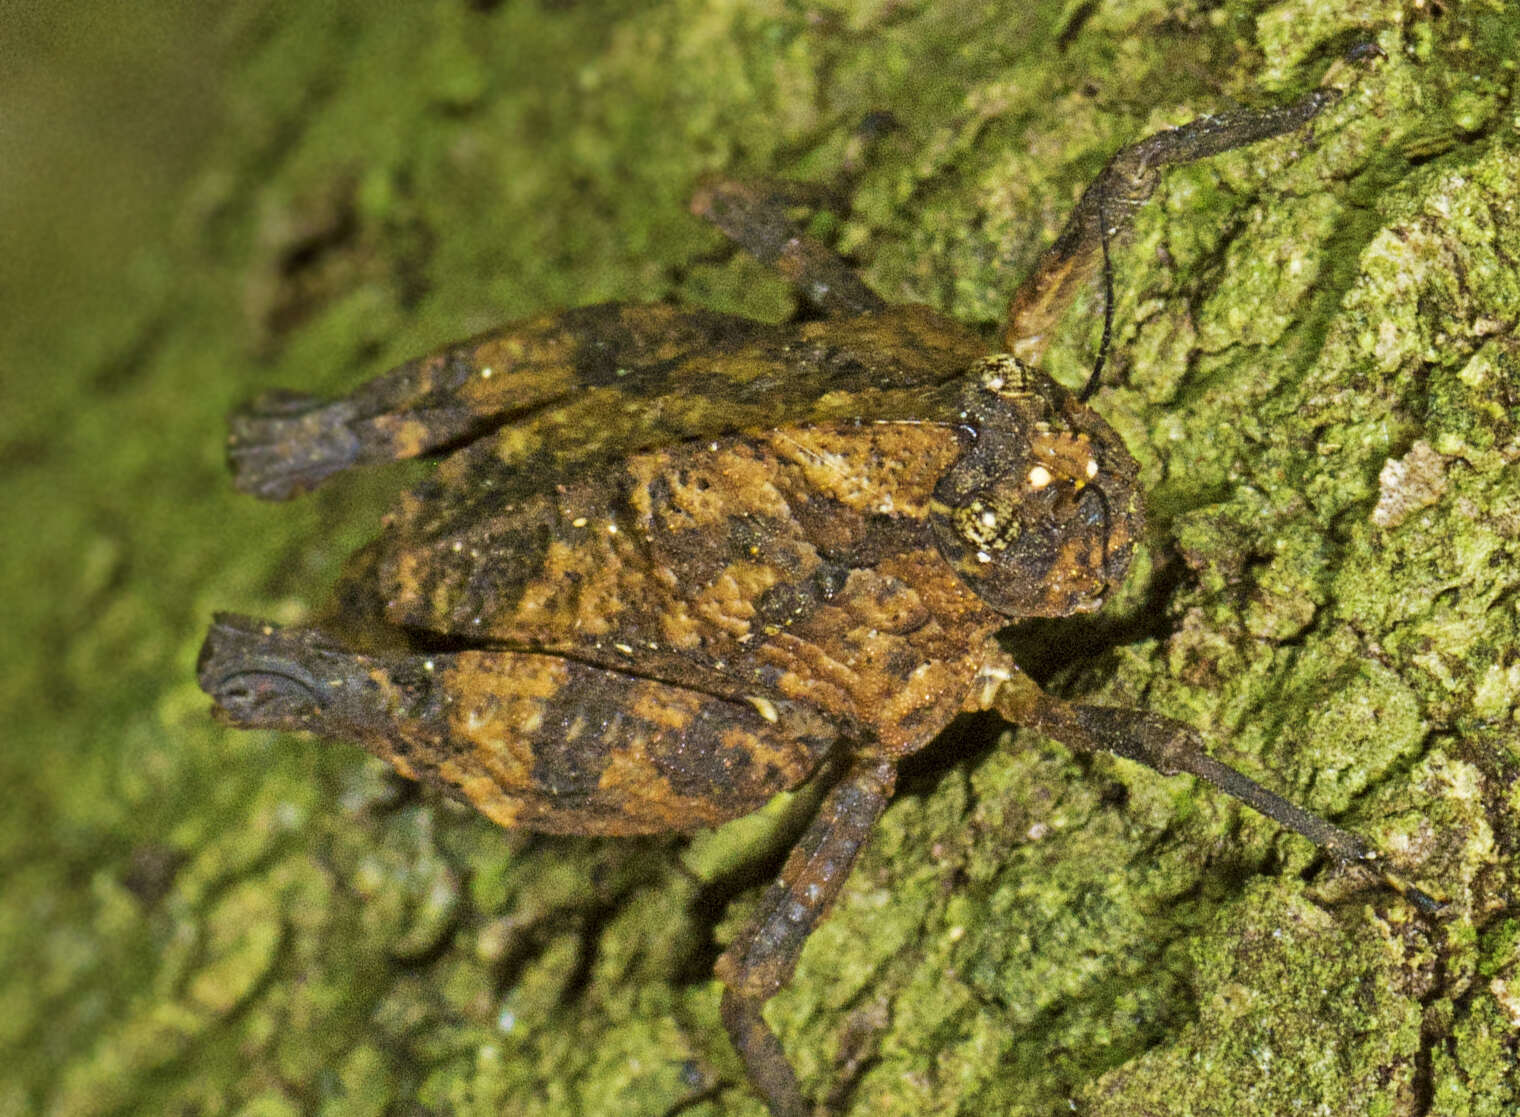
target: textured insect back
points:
(1040, 513)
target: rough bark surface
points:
(1315, 363)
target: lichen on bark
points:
(258, 925)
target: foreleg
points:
(1112, 199)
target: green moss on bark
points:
(256, 925)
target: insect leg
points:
(285, 443)
(528, 739)
(1171, 748)
(1120, 189)
(762, 958)
(753, 216)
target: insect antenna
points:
(1108, 308)
(1108, 521)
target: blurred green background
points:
(198, 202)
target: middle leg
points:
(762, 958)
(1172, 748)
(753, 216)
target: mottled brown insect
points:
(673, 562)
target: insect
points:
(673, 562)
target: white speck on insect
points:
(579, 521)
(1039, 477)
(1092, 468)
(989, 519)
(764, 706)
(485, 373)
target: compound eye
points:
(1092, 507)
(988, 526)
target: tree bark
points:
(1314, 363)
